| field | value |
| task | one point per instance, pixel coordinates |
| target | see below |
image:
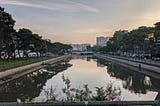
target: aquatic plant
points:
(83, 94)
(108, 93)
(50, 94)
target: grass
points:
(7, 64)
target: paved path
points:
(144, 61)
(148, 67)
(29, 68)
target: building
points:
(79, 47)
(102, 41)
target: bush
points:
(108, 93)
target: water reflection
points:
(132, 80)
(29, 86)
(84, 70)
(83, 57)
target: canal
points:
(81, 70)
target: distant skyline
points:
(81, 21)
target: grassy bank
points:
(7, 64)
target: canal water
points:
(81, 70)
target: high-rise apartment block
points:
(102, 41)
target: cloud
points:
(88, 8)
(61, 6)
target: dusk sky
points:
(81, 21)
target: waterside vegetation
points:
(143, 42)
(23, 46)
(108, 93)
(23, 43)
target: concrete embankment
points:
(13, 73)
(128, 63)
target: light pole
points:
(147, 48)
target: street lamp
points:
(147, 50)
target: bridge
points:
(82, 53)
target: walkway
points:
(139, 65)
(139, 60)
(23, 70)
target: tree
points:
(59, 48)
(24, 37)
(95, 48)
(157, 30)
(118, 40)
(29, 42)
(138, 37)
(24, 40)
(6, 33)
(129, 42)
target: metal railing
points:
(140, 60)
(86, 103)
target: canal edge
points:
(140, 66)
(17, 72)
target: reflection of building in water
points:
(83, 57)
(79, 47)
(82, 53)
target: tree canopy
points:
(137, 41)
(14, 43)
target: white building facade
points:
(79, 47)
(102, 41)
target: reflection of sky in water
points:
(87, 72)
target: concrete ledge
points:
(140, 66)
(13, 73)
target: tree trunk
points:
(14, 55)
(37, 54)
(19, 53)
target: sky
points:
(81, 21)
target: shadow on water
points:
(132, 80)
(30, 86)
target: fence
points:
(86, 103)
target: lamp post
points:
(149, 43)
(147, 48)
